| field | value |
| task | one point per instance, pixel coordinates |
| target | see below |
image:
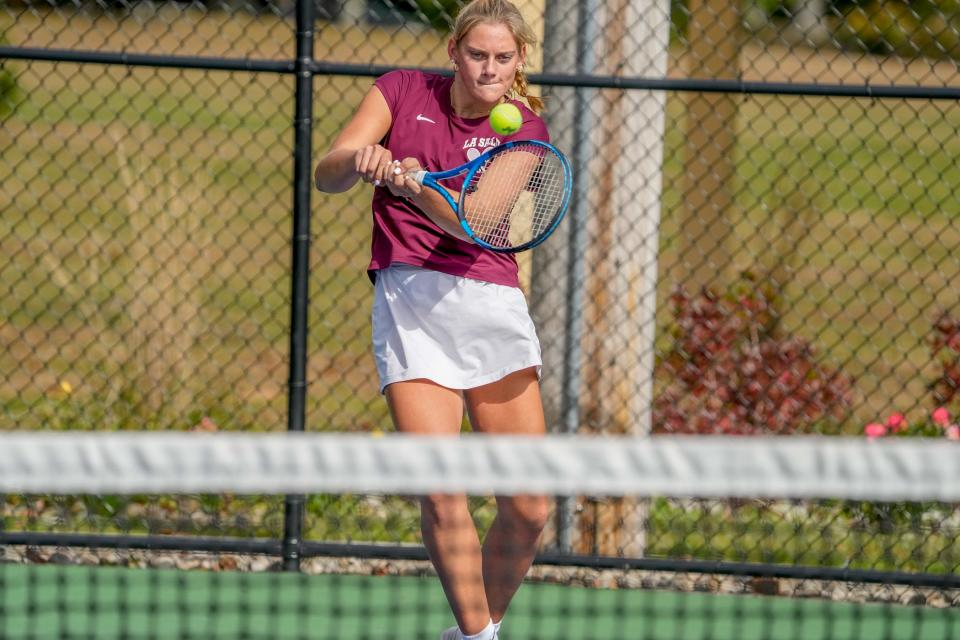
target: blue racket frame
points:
(431, 179)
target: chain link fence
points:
(768, 245)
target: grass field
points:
(851, 201)
(149, 212)
(141, 167)
(147, 217)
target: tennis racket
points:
(513, 196)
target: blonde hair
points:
(505, 13)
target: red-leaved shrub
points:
(731, 371)
(945, 345)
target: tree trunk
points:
(715, 40)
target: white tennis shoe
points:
(453, 633)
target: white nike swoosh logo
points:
(423, 118)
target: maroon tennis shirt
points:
(426, 128)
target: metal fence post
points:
(302, 183)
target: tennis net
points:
(162, 535)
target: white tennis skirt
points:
(458, 332)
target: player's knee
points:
(444, 511)
(528, 513)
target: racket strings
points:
(517, 195)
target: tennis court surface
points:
(735, 537)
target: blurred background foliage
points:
(8, 85)
(918, 27)
(929, 28)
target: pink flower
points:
(874, 430)
(941, 417)
(896, 422)
(953, 432)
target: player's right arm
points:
(356, 153)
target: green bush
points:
(9, 92)
(919, 516)
(440, 14)
(907, 28)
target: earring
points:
(520, 68)
(456, 67)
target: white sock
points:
(489, 633)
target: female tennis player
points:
(451, 329)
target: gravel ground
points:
(573, 576)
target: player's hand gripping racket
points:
(513, 196)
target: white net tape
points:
(691, 466)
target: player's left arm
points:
(500, 185)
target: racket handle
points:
(419, 176)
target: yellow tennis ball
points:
(506, 119)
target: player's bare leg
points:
(421, 406)
(511, 405)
